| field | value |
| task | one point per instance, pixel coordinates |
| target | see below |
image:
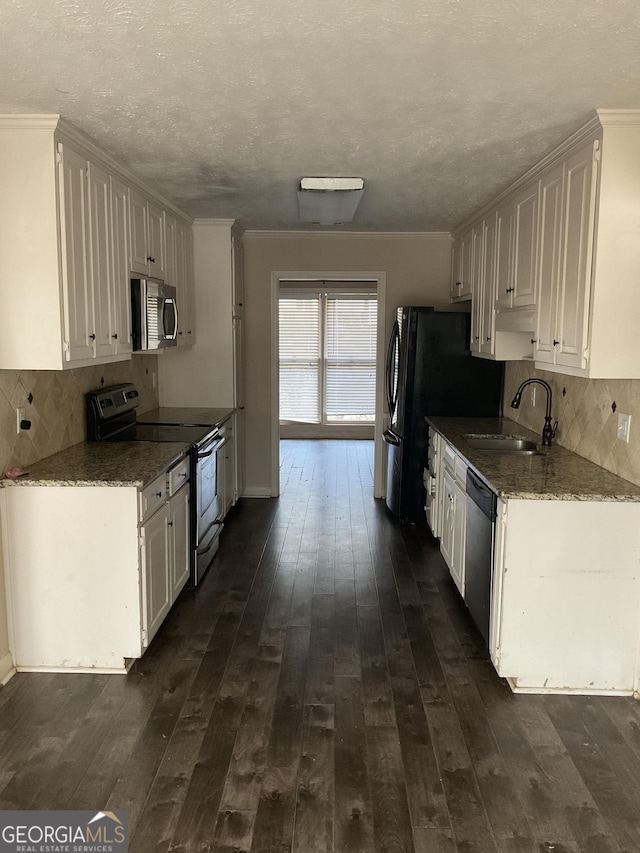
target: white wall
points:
(417, 268)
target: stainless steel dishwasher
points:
(480, 534)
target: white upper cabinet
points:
(568, 220)
(462, 267)
(120, 284)
(518, 244)
(551, 191)
(67, 238)
(147, 237)
(568, 255)
(179, 274)
(79, 327)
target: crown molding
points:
(589, 131)
(346, 235)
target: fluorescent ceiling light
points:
(329, 201)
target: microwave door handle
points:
(174, 336)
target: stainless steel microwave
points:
(154, 315)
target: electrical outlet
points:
(19, 418)
(533, 388)
(624, 426)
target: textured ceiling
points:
(224, 106)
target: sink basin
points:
(502, 444)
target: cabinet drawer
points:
(449, 457)
(178, 475)
(460, 471)
(153, 496)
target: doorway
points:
(375, 284)
(327, 370)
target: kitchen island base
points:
(93, 570)
(565, 615)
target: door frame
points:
(379, 280)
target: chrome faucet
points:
(548, 431)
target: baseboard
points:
(7, 669)
(256, 492)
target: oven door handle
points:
(213, 450)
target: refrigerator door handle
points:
(391, 357)
(391, 438)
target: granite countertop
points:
(197, 416)
(118, 463)
(554, 473)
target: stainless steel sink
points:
(502, 444)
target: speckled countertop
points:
(118, 463)
(552, 474)
(185, 415)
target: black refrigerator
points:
(430, 371)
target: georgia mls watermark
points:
(63, 832)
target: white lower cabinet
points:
(156, 580)
(452, 541)
(566, 596)
(91, 571)
(164, 545)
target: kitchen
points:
(417, 266)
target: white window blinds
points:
(350, 358)
(327, 357)
(300, 359)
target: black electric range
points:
(111, 416)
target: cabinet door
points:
(121, 285)
(456, 271)
(525, 244)
(184, 285)
(448, 516)
(237, 253)
(76, 277)
(504, 287)
(179, 540)
(156, 256)
(139, 233)
(171, 259)
(466, 265)
(230, 492)
(548, 265)
(156, 592)
(459, 537)
(575, 274)
(99, 187)
(489, 269)
(478, 287)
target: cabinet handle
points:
(458, 284)
(170, 523)
(510, 289)
(488, 337)
(477, 338)
(158, 494)
(150, 259)
(533, 340)
(555, 343)
(92, 337)
(115, 336)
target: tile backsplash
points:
(54, 403)
(587, 414)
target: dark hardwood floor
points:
(325, 690)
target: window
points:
(327, 356)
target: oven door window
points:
(208, 488)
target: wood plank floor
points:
(325, 690)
